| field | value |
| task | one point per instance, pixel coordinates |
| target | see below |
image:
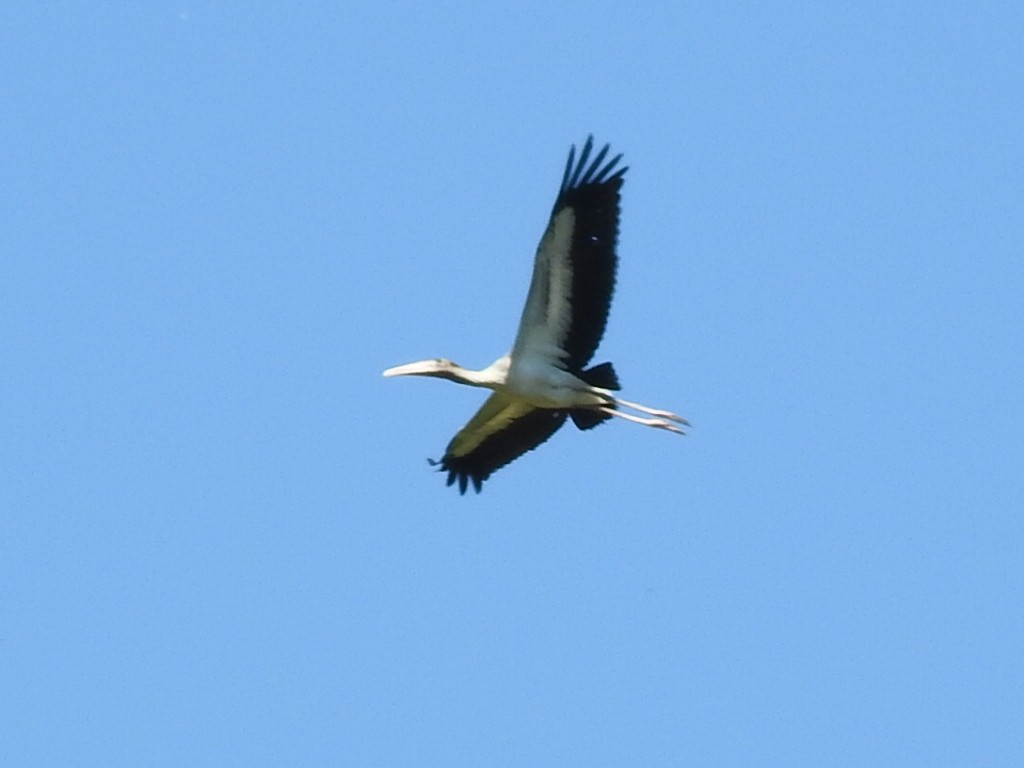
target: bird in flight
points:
(544, 379)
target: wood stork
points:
(543, 381)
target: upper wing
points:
(500, 432)
(574, 270)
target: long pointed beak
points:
(398, 370)
(422, 368)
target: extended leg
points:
(652, 411)
(656, 423)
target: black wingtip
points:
(465, 482)
(568, 167)
(580, 169)
(462, 479)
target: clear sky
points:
(220, 540)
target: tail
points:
(602, 376)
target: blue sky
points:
(220, 542)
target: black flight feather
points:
(603, 376)
(592, 192)
(521, 435)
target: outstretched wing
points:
(574, 269)
(500, 432)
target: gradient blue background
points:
(220, 542)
